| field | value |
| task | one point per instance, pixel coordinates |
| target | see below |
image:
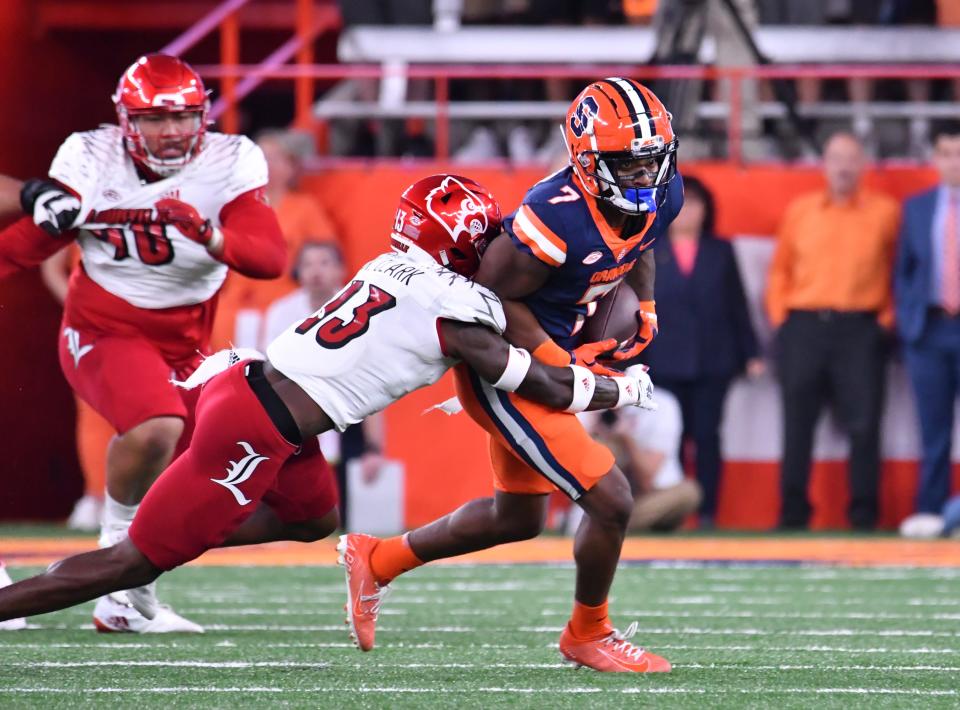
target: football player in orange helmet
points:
(622, 146)
(577, 235)
(399, 325)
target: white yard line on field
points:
(225, 665)
(504, 690)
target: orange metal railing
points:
(225, 18)
(441, 75)
(238, 80)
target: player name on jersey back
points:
(378, 339)
(152, 265)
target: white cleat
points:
(9, 624)
(114, 614)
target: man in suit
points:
(927, 287)
(829, 294)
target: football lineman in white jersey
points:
(253, 472)
(160, 208)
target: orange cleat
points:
(364, 595)
(612, 653)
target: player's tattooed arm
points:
(487, 354)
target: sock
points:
(391, 558)
(116, 520)
(590, 622)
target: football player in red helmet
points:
(161, 209)
(577, 235)
(162, 110)
(397, 326)
(450, 220)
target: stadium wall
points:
(446, 457)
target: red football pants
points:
(236, 460)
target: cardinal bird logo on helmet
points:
(465, 215)
(448, 219)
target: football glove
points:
(644, 385)
(586, 356)
(646, 332)
(53, 209)
(549, 353)
(188, 221)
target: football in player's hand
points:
(615, 317)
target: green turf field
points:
(485, 636)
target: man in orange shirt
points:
(829, 293)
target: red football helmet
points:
(157, 84)
(617, 129)
(448, 219)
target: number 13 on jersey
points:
(339, 323)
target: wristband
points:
(629, 391)
(215, 245)
(518, 364)
(584, 384)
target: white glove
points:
(213, 365)
(54, 209)
(644, 386)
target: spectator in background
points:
(710, 339)
(645, 444)
(829, 294)
(242, 300)
(927, 285)
(319, 270)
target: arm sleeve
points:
(23, 245)
(253, 244)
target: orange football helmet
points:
(159, 83)
(621, 144)
(448, 219)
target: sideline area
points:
(841, 550)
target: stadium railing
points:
(442, 110)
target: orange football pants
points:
(533, 449)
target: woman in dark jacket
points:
(707, 338)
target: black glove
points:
(53, 209)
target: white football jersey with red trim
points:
(146, 264)
(378, 338)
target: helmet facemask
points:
(137, 144)
(155, 87)
(615, 173)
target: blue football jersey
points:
(560, 224)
